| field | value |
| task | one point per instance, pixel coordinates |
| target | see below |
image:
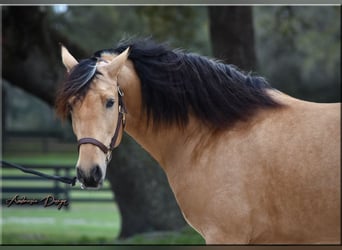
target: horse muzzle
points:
(92, 179)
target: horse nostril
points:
(96, 173)
(80, 174)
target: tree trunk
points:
(31, 52)
(31, 60)
(232, 35)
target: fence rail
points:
(59, 190)
(37, 141)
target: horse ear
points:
(68, 60)
(116, 64)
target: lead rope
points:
(67, 180)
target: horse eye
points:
(109, 103)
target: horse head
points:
(92, 96)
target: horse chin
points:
(99, 186)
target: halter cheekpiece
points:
(121, 122)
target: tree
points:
(305, 41)
(232, 35)
(31, 60)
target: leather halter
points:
(121, 122)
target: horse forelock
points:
(76, 85)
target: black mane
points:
(175, 84)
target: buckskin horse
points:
(247, 163)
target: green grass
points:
(83, 223)
(183, 237)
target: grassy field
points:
(83, 223)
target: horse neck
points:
(164, 143)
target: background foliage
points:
(298, 48)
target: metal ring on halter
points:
(120, 92)
(108, 156)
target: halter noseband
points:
(121, 121)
